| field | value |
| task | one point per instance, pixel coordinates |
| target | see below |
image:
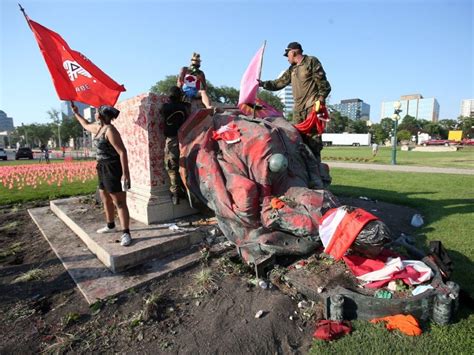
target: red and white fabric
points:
(412, 272)
(229, 133)
(340, 227)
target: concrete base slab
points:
(149, 241)
(435, 148)
(156, 207)
(93, 279)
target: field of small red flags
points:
(19, 183)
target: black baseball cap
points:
(291, 46)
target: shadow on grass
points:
(434, 209)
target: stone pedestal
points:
(141, 128)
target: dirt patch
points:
(210, 308)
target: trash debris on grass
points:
(417, 220)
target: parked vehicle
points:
(467, 141)
(444, 142)
(3, 154)
(24, 153)
(354, 139)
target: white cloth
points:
(329, 224)
(396, 264)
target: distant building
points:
(467, 108)
(355, 109)
(286, 97)
(89, 113)
(66, 108)
(413, 105)
(6, 123)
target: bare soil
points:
(207, 309)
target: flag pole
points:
(26, 16)
(24, 13)
(259, 74)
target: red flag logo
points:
(75, 77)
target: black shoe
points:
(175, 199)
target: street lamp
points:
(396, 116)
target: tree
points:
(41, 133)
(448, 125)
(71, 128)
(386, 124)
(218, 94)
(226, 95)
(411, 124)
(54, 115)
(271, 99)
(379, 135)
(467, 126)
(435, 130)
(403, 135)
(338, 123)
(162, 87)
(358, 126)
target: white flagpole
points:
(260, 74)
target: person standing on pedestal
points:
(112, 167)
(309, 83)
(174, 114)
(193, 82)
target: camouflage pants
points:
(312, 140)
(172, 162)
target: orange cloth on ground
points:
(407, 324)
(277, 203)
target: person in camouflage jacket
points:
(309, 83)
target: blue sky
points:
(372, 50)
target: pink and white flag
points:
(249, 83)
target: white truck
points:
(354, 139)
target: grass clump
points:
(32, 275)
(9, 226)
(13, 249)
(204, 282)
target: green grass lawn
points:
(463, 158)
(46, 192)
(447, 204)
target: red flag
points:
(74, 76)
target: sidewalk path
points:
(402, 168)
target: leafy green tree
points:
(358, 126)
(222, 94)
(41, 133)
(448, 125)
(55, 116)
(226, 95)
(379, 135)
(411, 124)
(403, 135)
(386, 124)
(271, 99)
(436, 131)
(162, 87)
(467, 126)
(338, 123)
(71, 128)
